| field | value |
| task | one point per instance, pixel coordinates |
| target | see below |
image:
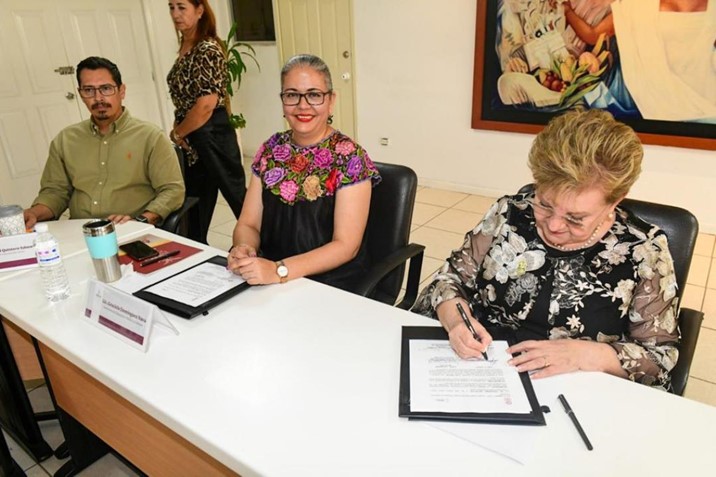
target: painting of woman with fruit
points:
(643, 59)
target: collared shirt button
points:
(100, 182)
(95, 202)
(105, 142)
(102, 163)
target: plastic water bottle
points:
(52, 270)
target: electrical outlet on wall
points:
(384, 141)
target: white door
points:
(37, 39)
(114, 29)
(35, 101)
(323, 28)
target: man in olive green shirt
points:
(111, 165)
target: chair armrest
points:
(171, 223)
(380, 269)
(411, 288)
(690, 326)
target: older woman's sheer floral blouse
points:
(620, 291)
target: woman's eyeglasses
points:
(547, 212)
(91, 91)
(314, 98)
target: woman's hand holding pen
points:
(461, 338)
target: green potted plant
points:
(236, 51)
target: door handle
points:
(70, 95)
(65, 70)
(346, 54)
(346, 76)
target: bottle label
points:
(48, 256)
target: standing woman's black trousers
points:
(218, 168)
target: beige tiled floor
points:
(440, 221)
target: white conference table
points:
(69, 235)
(302, 379)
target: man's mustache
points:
(100, 104)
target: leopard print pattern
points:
(200, 72)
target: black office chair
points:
(681, 228)
(8, 467)
(178, 221)
(16, 414)
(387, 235)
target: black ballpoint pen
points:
(573, 417)
(461, 310)
(159, 257)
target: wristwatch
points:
(282, 271)
(141, 218)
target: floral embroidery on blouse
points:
(620, 291)
(306, 173)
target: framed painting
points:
(537, 58)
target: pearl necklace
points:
(586, 244)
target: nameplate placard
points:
(125, 316)
(122, 315)
(17, 252)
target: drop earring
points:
(330, 119)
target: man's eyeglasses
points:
(91, 91)
(314, 98)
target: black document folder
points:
(534, 417)
(182, 309)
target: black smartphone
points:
(139, 250)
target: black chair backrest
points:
(182, 160)
(178, 221)
(388, 228)
(680, 226)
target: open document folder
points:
(196, 290)
(436, 384)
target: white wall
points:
(414, 82)
(258, 99)
(164, 48)
(414, 67)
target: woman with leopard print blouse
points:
(197, 84)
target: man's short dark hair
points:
(96, 63)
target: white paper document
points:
(440, 381)
(197, 285)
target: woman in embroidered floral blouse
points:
(583, 284)
(197, 83)
(307, 204)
